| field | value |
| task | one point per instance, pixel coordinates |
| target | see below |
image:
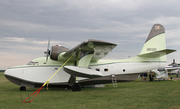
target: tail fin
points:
(155, 45)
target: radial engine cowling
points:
(57, 53)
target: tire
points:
(22, 88)
(76, 87)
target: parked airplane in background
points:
(86, 66)
(171, 69)
(161, 73)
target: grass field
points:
(128, 95)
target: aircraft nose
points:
(11, 76)
(7, 72)
(12, 72)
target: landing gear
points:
(22, 88)
(72, 82)
(76, 87)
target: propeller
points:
(48, 50)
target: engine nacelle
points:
(57, 53)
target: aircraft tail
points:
(155, 44)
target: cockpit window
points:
(33, 63)
(30, 63)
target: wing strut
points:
(47, 82)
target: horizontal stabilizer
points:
(82, 72)
(157, 53)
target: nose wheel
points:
(22, 88)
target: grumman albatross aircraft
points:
(86, 66)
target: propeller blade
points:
(48, 44)
(48, 51)
(46, 58)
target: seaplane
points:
(85, 65)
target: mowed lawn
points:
(128, 95)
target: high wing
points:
(90, 50)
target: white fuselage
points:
(31, 75)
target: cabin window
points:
(124, 70)
(97, 69)
(55, 68)
(106, 70)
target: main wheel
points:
(76, 87)
(22, 88)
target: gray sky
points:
(26, 25)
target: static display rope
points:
(47, 82)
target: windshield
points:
(30, 63)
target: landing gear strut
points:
(76, 87)
(22, 88)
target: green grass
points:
(128, 95)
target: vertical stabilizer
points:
(155, 45)
(156, 40)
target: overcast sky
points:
(26, 25)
